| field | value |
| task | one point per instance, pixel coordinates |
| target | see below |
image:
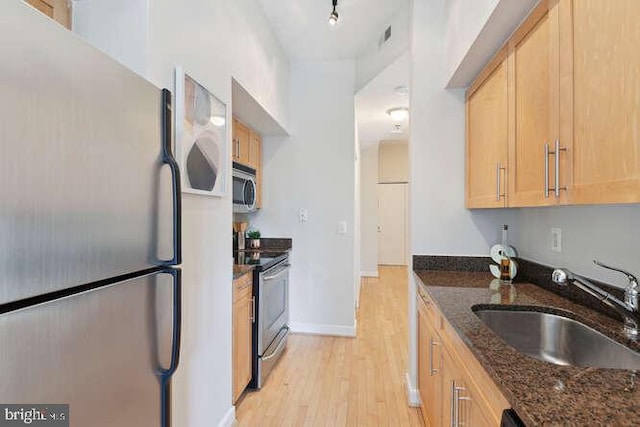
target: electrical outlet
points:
(303, 215)
(556, 240)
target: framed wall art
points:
(201, 137)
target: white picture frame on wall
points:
(200, 136)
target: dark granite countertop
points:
(540, 392)
(241, 270)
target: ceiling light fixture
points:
(333, 18)
(398, 114)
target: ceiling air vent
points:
(385, 36)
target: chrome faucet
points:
(628, 308)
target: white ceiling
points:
(301, 26)
(373, 101)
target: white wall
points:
(607, 233)
(118, 27)
(314, 170)
(440, 224)
(375, 58)
(213, 40)
(357, 217)
(369, 210)
(464, 21)
(476, 29)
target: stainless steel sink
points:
(558, 339)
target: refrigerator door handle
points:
(165, 374)
(177, 323)
(168, 159)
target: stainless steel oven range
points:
(271, 292)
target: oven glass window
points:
(275, 303)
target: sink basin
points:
(557, 339)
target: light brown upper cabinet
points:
(573, 109)
(57, 10)
(487, 136)
(247, 149)
(533, 64)
(600, 99)
(240, 142)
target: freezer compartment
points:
(109, 353)
(87, 183)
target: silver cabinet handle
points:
(452, 415)
(253, 309)
(499, 193)
(498, 182)
(546, 171)
(432, 370)
(556, 153)
(238, 147)
(456, 399)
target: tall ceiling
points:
(378, 96)
(301, 26)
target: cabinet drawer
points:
(242, 286)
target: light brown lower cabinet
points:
(243, 318)
(454, 389)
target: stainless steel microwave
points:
(244, 188)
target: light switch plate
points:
(556, 240)
(342, 227)
(303, 215)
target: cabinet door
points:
(461, 401)
(429, 367)
(600, 110)
(242, 327)
(57, 10)
(255, 150)
(487, 136)
(533, 61)
(242, 142)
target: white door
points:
(392, 229)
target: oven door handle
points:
(282, 342)
(278, 273)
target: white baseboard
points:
(412, 393)
(229, 419)
(372, 273)
(316, 329)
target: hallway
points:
(331, 381)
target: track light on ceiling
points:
(333, 18)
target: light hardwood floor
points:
(330, 381)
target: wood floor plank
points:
(332, 381)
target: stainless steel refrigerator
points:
(89, 229)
